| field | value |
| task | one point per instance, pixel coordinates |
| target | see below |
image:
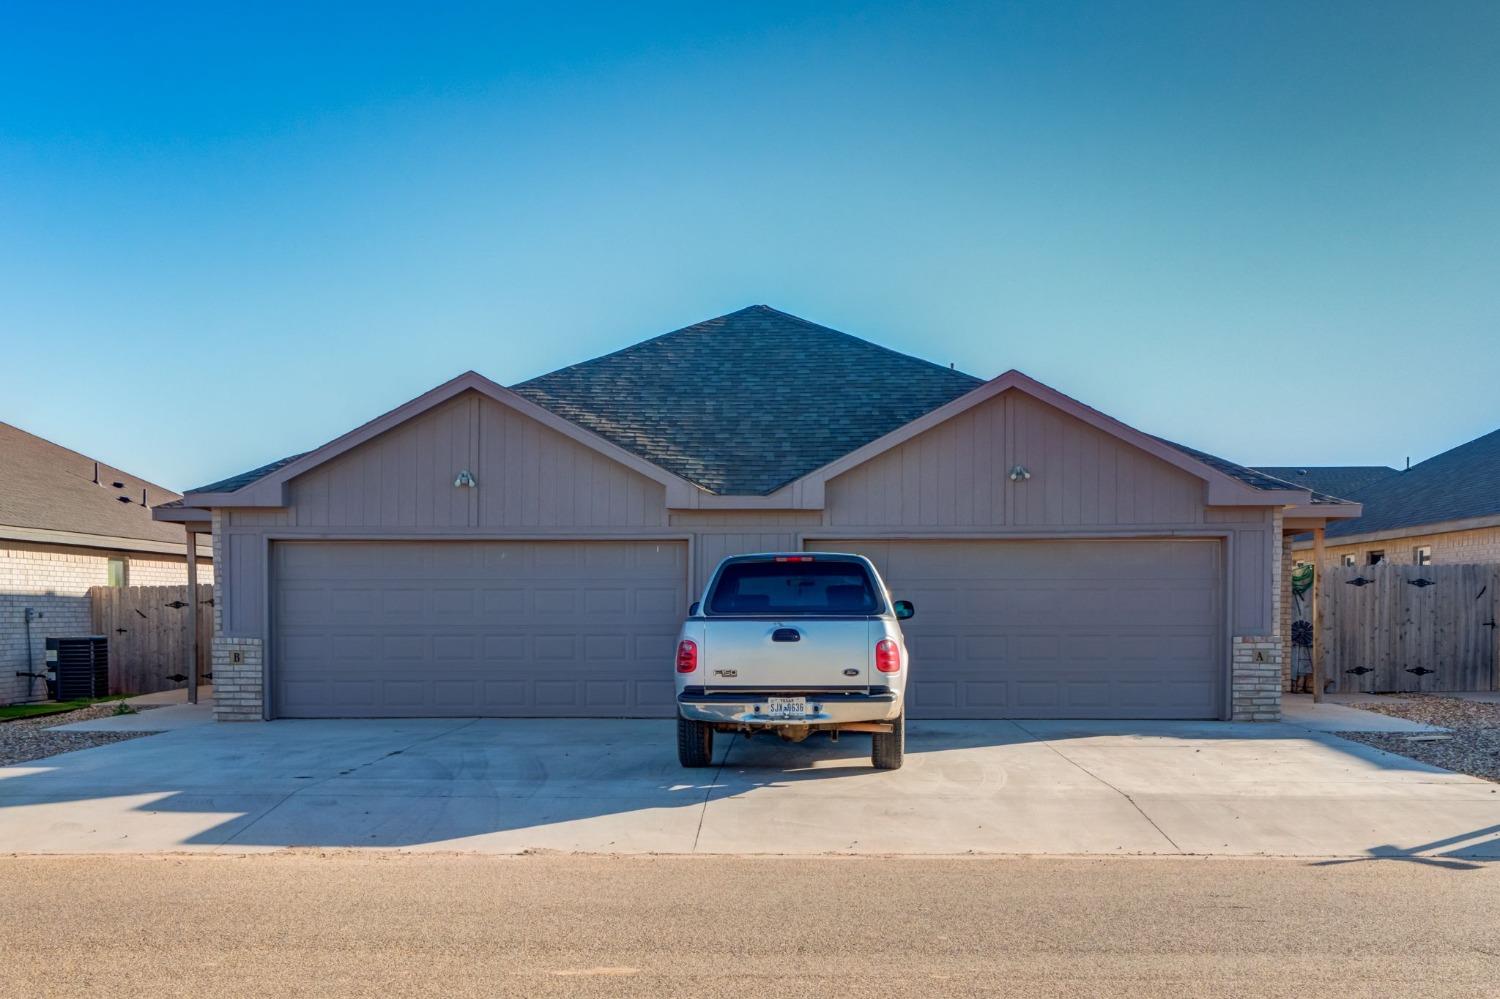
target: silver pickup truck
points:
(793, 643)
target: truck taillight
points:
(687, 656)
(887, 656)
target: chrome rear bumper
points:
(823, 707)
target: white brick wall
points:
(1481, 545)
(54, 581)
(238, 689)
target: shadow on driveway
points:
(615, 786)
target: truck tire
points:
(695, 743)
(888, 749)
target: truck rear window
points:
(791, 588)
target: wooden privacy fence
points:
(147, 631)
(1410, 627)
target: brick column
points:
(1257, 678)
(1255, 665)
(238, 663)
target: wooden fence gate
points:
(147, 631)
(1410, 627)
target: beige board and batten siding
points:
(1092, 528)
(532, 481)
(955, 479)
(958, 474)
(537, 484)
(389, 586)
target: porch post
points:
(1317, 616)
(192, 615)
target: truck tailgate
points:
(763, 654)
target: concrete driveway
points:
(615, 786)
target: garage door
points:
(522, 629)
(1058, 629)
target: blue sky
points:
(1271, 231)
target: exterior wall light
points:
(1019, 474)
(466, 480)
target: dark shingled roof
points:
(1249, 476)
(243, 479)
(1335, 480)
(1455, 485)
(45, 486)
(745, 403)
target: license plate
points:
(786, 707)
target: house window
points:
(1422, 555)
(119, 572)
(1375, 557)
(1346, 560)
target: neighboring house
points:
(1332, 480)
(1443, 510)
(68, 523)
(531, 551)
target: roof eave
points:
(182, 514)
(1324, 511)
(104, 542)
(1411, 530)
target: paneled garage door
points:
(1058, 629)
(522, 629)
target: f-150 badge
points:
(728, 674)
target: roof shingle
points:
(1456, 485)
(745, 403)
(243, 479)
(1334, 480)
(46, 486)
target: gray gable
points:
(745, 403)
(1455, 485)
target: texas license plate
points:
(786, 707)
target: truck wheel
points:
(888, 749)
(695, 743)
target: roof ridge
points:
(637, 345)
(860, 339)
(760, 306)
(1310, 466)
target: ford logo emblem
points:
(851, 672)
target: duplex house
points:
(531, 550)
(69, 522)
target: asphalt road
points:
(344, 924)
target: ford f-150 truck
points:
(793, 643)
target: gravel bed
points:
(1473, 745)
(29, 739)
